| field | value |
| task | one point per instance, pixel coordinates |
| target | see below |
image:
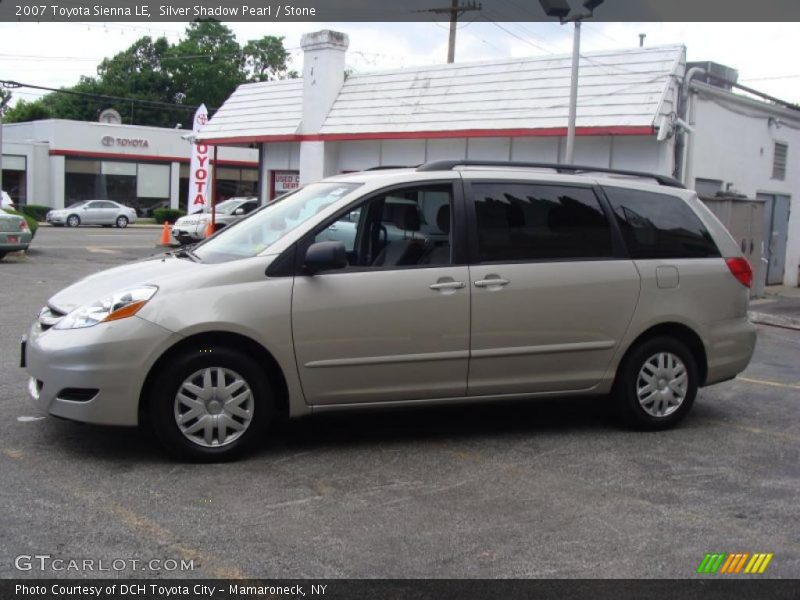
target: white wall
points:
(737, 148)
(625, 152)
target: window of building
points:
(143, 186)
(659, 226)
(779, 159)
(15, 181)
(232, 182)
(529, 222)
(153, 181)
(708, 187)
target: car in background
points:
(192, 228)
(15, 234)
(6, 201)
(93, 212)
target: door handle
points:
(447, 285)
(491, 282)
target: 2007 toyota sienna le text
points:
(448, 282)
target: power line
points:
(12, 85)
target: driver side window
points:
(401, 228)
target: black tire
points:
(73, 221)
(166, 385)
(122, 222)
(628, 378)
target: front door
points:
(394, 324)
(776, 235)
(550, 302)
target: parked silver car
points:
(93, 212)
(524, 282)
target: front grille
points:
(77, 394)
(49, 316)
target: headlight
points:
(115, 306)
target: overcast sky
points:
(57, 54)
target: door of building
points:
(776, 235)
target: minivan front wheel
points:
(657, 383)
(210, 404)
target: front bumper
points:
(95, 374)
(193, 232)
(56, 219)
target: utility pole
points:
(3, 102)
(573, 93)
(562, 10)
(455, 10)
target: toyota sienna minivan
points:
(445, 283)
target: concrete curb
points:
(774, 320)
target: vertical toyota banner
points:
(199, 168)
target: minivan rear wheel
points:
(656, 384)
(210, 404)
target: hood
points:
(154, 271)
(170, 274)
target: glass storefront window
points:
(15, 181)
(143, 186)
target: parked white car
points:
(6, 201)
(93, 212)
(192, 228)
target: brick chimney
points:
(323, 76)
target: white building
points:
(56, 162)
(516, 109)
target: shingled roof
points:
(620, 92)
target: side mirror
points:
(325, 256)
(239, 211)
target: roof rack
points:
(389, 167)
(449, 165)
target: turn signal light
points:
(740, 269)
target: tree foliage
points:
(205, 66)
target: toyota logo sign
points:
(107, 140)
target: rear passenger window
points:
(660, 226)
(519, 222)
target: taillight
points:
(23, 225)
(740, 269)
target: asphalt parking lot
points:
(544, 489)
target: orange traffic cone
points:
(209, 229)
(165, 235)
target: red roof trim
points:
(152, 158)
(455, 133)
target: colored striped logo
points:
(730, 564)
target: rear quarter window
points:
(659, 225)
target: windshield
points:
(77, 204)
(263, 228)
(227, 207)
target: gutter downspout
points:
(683, 110)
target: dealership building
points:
(57, 162)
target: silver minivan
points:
(494, 282)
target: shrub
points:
(167, 214)
(37, 211)
(32, 224)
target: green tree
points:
(205, 66)
(27, 111)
